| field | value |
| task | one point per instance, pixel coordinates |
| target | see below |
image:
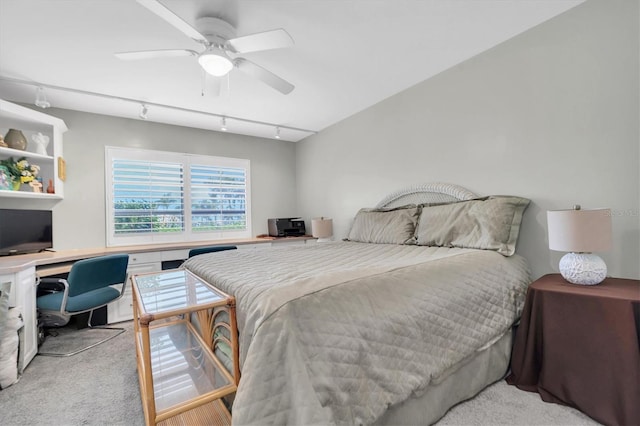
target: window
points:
(155, 196)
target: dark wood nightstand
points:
(580, 346)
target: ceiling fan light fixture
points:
(215, 61)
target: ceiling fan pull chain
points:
(203, 82)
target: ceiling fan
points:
(220, 46)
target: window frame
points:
(186, 160)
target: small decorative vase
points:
(16, 185)
(41, 141)
(36, 186)
(15, 139)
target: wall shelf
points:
(10, 152)
(29, 195)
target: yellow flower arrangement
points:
(28, 171)
(21, 171)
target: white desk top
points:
(16, 263)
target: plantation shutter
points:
(218, 198)
(147, 197)
(161, 197)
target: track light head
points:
(41, 98)
(143, 111)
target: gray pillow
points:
(385, 226)
(492, 223)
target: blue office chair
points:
(210, 249)
(88, 287)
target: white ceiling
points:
(348, 55)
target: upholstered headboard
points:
(427, 193)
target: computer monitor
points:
(25, 231)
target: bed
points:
(408, 316)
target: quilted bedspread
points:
(335, 333)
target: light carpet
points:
(100, 387)
(69, 339)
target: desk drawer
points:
(121, 310)
(141, 268)
(148, 257)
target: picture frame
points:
(62, 169)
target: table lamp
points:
(322, 228)
(580, 232)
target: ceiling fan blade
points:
(173, 19)
(274, 39)
(152, 54)
(263, 75)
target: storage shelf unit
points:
(31, 122)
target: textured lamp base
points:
(583, 268)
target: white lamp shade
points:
(321, 227)
(579, 231)
(215, 61)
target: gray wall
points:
(79, 220)
(551, 115)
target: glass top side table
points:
(177, 324)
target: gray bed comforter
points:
(336, 333)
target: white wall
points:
(551, 115)
(79, 220)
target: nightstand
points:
(580, 346)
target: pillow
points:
(491, 223)
(385, 226)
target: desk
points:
(59, 261)
(580, 346)
(20, 272)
